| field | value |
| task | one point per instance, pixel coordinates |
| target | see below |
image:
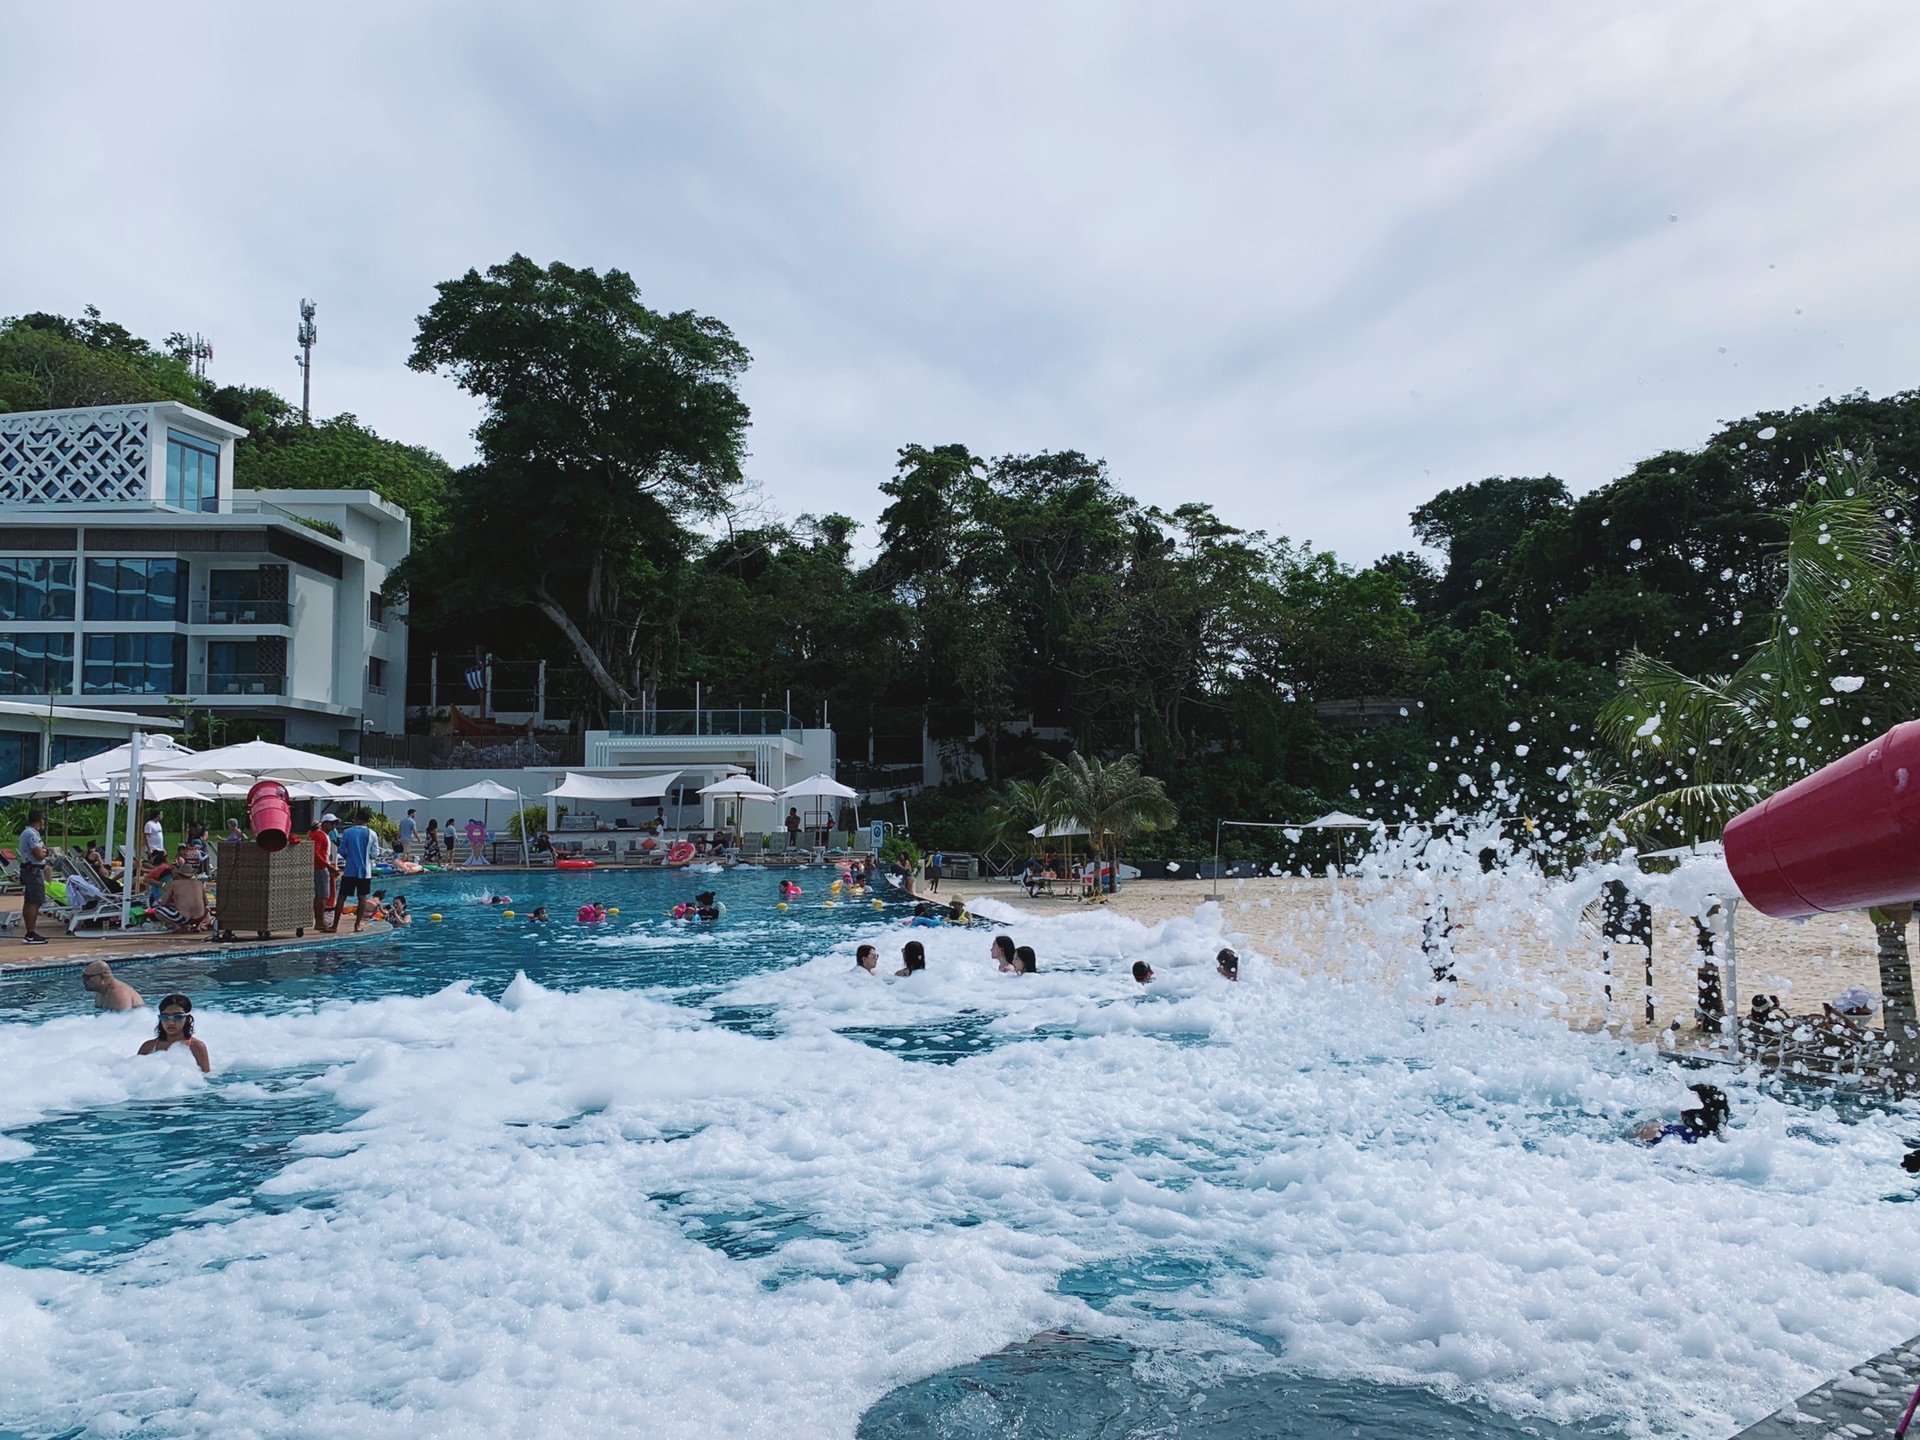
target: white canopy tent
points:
(823, 787)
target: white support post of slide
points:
(1731, 1013)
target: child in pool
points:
(1142, 972)
(915, 956)
(176, 1028)
(789, 890)
(539, 915)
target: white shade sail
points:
(739, 787)
(614, 787)
(482, 790)
(819, 785)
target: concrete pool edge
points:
(76, 952)
(1866, 1400)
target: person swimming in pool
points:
(867, 958)
(176, 1028)
(539, 915)
(1695, 1125)
(1142, 972)
(397, 912)
(1003, 955)
(915, 956)
(1029, 962)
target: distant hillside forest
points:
(1020, 606)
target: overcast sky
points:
(1308, 263)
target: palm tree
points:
(1112, 800)
(1702, 750)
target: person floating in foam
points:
(1695, 1125)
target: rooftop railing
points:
(237, 684)
(736, 721)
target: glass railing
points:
(238, 683)
(241, 612)
(737, 721)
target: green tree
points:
(1837, 665)
(606, 425)
(50, 362)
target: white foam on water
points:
(525, 1228)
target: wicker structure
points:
(265, 891)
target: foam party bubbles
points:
(686, 1189)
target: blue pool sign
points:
(879, 834)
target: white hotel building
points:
(134, 577)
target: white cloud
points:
(1312, 266)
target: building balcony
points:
(240, 612)
(238, 683)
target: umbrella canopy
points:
(392, 793)
(739, 787)
(261, 759)
(482, 790)
(355, 790)
(89, 776)
(1338, 820)
(1064, 828)
(822, 784)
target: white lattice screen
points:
(75, 456)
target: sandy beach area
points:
(1508, 958)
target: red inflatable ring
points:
(680, 854)
(573, 864)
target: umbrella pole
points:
(134, 788)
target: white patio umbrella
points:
(262, 760)
(824, 786)
(486, 792)
(1340, 821)
(738, 788)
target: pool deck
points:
(1867, 1400)
(116, 948)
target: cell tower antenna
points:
(199, 352)
(306, 336)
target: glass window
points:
(193, 472)
(36, 664)
(228, 658)
(19, 755)
(79, 747)
(134, 665)
(136, 589)
(33, 588)
(376, 674)
(234, 584)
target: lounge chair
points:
(10, 873)
(88, 902)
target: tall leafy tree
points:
(607, 425)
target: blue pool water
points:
(652, 1177)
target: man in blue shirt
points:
(409, 831)
(356, 874)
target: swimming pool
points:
(511, 1179)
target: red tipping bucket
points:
(1845, 838)
(271, 814)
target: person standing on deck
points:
(156, 839)
(325, 867)
(33, 876)
(793, 827)
(409, 831)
